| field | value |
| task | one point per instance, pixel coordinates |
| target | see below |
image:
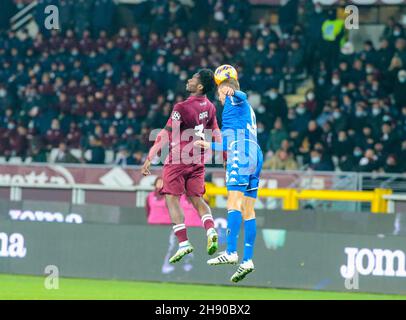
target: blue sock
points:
(234, 220)
(250, 233)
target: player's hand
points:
(228, 91)
(202, 144)
(145, 168)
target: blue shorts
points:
(244, 165)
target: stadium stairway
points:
(293, 99)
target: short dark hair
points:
(207, 80)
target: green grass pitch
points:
(32, 287)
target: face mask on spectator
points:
(369, 70)
(335, 81)
(2, 93)
(359, 113)
(336, 115)
(310, 96)
(386, 118)
(261, 109)
(118, 115)
(11, 126)
(376, 111)
(402, 79)
(396, 33)
(321, 81)
(300, 110)
(315, 160)
(318, 9)
(273, 95)
(357, 153)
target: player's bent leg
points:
(234, 220)
(179, 228)
(207, 220)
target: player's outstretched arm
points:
(161, 140)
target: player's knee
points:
(235, 201)
(248, 214)
(200, 205)
(172, 200)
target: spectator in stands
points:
(96, 151)
(136, 159)
(369, 162)
(319, 162)
(275, 105)
(64, 155)
(276, 136)
(281, 160)
(118, 84)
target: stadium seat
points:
(109, 159)
(15, 160)
(53, 154)
(77, 153)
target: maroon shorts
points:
(180, 178)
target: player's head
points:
(201, 83)
(232, 83)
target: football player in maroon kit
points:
(183, 170)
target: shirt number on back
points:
(199, 131)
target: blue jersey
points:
(239, 121)
(239, 134)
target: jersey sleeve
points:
(175, 118)
(238, 98)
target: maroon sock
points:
(180, 232)
(208, 222)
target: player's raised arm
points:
(231, 88)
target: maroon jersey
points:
(187, 123)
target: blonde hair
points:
(233, 83)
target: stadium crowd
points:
(91, 87)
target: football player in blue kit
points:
(244, 163)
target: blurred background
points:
(78, 104)
(91, 91)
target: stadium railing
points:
(291, 197)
